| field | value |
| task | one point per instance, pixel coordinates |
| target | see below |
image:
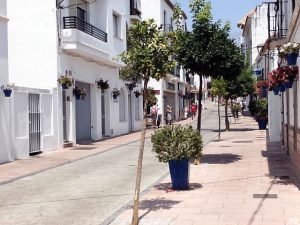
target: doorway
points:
(103, 111)
(83, 114)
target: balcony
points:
(81, 39)
(277, 20)
(166, 27)
(135, 12)
(72, 22)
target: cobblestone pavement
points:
(240, 181)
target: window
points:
(122, 106)
(81, 14)
(116, 25)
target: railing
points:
(277, 21)
(72, 22)
(166, 27)
(134, 11)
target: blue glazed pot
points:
(263, 91)
(291, 58)
(276, 90)
(262, 124)
(281, 87)
(64, 86)
(179, 171)
(289, 84)
(258, 72)
(7, 93)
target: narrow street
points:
(86, 191)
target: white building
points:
(256, 26)
(77, 37)
(170, 91)
(5, 127)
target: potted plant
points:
(261, 87)
(65, 81)
(115, 93)
(102, 84)
(290, 52)
(276, 81)
(79, 93)
(131, 85)
(289, 75)
(137, 93)
(177, 145)
(7, 89)
(261, 113)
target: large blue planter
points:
(262, 124)
(276, 90)
(180, 174)
(289, 84)
(281, 87)
(258, 72)
(291, 58)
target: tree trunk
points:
(135, 213)
(226, 115)
(219, 118)
(200, 105)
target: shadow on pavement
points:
(224, 158)
(155, 205)
(168, 186)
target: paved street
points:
(86, 191)
(240, 181)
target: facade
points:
(283, 25)
(74, 37)
(5, 127)
(172, 89)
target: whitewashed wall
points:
(5, 126)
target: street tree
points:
(148, 56)
(206, 50)
(218, 88)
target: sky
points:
(226, 10)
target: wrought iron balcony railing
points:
(134, 10)
(277, 19)
(73, 22)
(166, 27)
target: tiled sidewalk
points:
(39, 163)
(239, 182)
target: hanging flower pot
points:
(7, 89)
(291, 58)
(258, 72)
(65, 81)
(276, 90)
(79, 93)
(102, 84)
(115, 94)
(7, 92)
(288, 83)
(281, 87)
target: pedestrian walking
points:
(193, 110)
(153, 112)
(168, 115)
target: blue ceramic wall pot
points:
(281, 87)
(7, 92)
(291, 58)
(276, 90)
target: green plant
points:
(176, 142)
(8, 86)
(289, 48)
(252, 107)
(65, 80)
(102, 84)
(261, 112)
